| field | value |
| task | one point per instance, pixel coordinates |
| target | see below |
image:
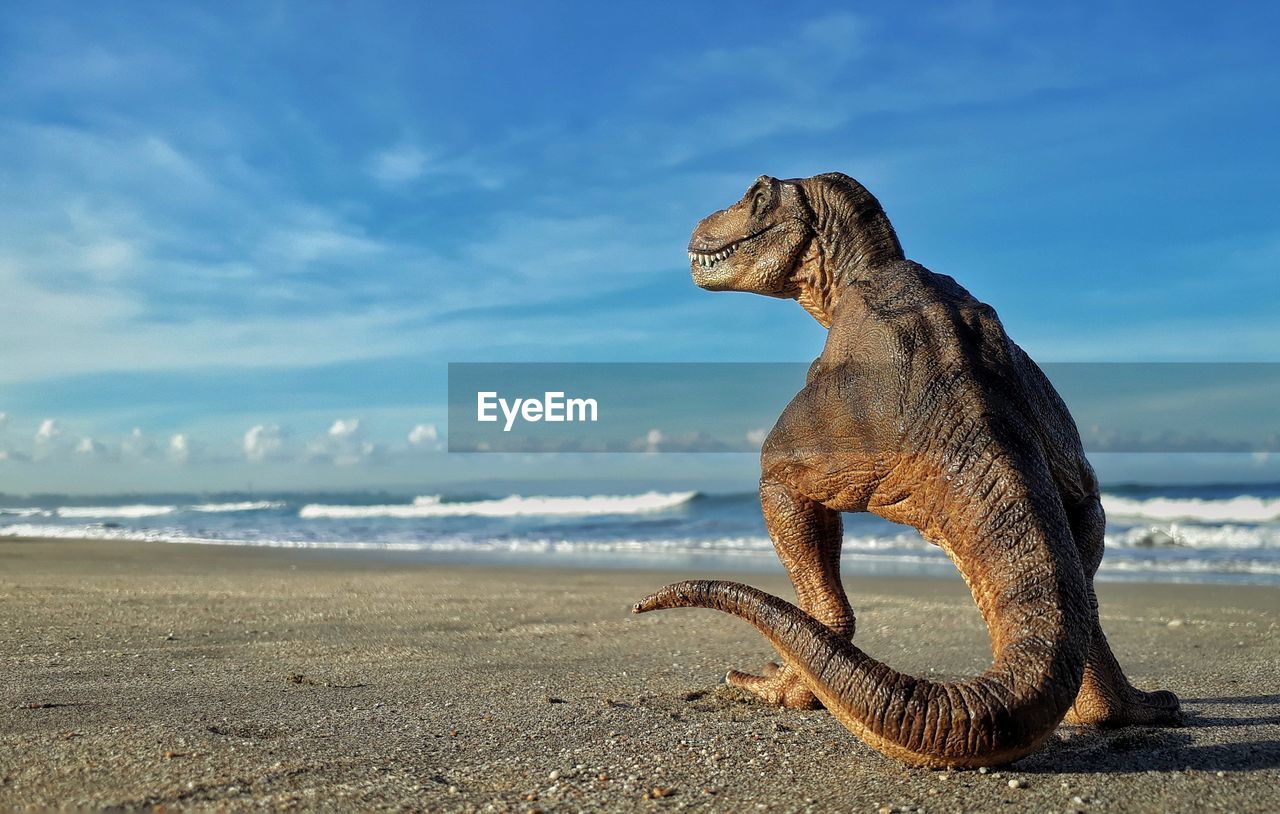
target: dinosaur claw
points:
(778, 686)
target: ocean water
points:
(1176, 534)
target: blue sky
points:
(289, 216)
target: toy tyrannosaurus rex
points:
(921, 410)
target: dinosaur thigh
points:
(830, 442)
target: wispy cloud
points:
(406, 162)
(398, 164)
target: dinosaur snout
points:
(704, 238)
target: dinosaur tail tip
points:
(652, 602)
(679, 595)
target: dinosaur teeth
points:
(707, 259)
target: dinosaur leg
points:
(807, 537)
(1106, 697)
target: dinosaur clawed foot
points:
(779, 686)
(1134, 708)
(1159, 708)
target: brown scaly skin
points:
(921, 410)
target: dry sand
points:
(141, 675)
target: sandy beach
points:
(146, 675)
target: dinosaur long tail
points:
(991, 719)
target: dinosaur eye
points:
(759, 202)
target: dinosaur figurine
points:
(923, 411)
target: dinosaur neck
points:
(816, 289)
(853, 240)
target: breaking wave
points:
(1176, 535)
(243, 506)
(136, 510)
(513, 506)
(1242, 509)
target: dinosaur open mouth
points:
(709, 259)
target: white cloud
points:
(344, 428)
(137, 445)
(90, 448)
(343, 445)
(653, 440)
(263, 442)
(179, 448)
(50, 440)
(756, 437)
(424, 436)
(49, 431)
(4, 421)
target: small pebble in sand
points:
(1078, 800)
(554, 775)
(1222, 774)
(1017, 784)
(983, 770)
(1175, 623)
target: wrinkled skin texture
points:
(923, 411)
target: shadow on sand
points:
(1140, 749)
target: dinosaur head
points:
(803, 238)
(756, 244)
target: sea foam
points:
(513, 506)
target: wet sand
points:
(138, 675)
